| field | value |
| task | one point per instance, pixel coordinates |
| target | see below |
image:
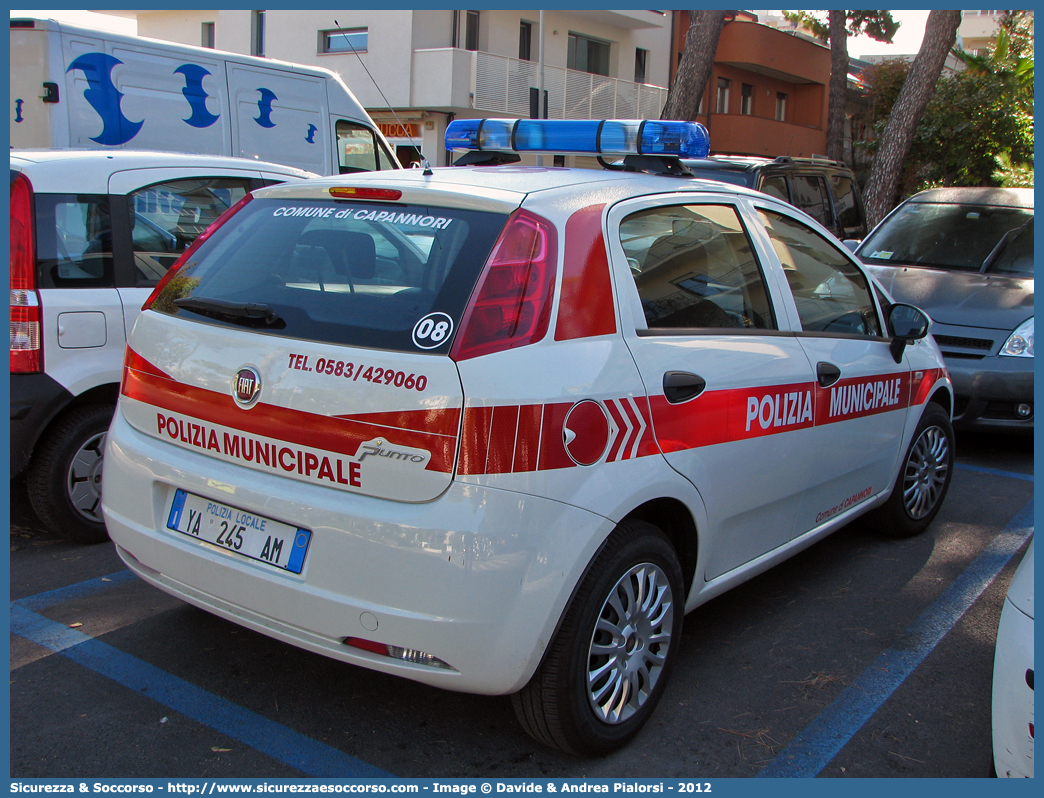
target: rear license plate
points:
(236, 531)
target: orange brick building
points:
(768, 92)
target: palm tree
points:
(1013, 70)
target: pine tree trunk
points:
(701, 44)
(939, 35)
(835, 142)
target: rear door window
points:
(167, 217)
(74, 241)
(355, 273)
(694, 268)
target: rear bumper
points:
(35, 400)
(478, 578)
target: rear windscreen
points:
(341, 272)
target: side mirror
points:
(906, 324)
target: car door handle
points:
(827, 374)
(681, 386)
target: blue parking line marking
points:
(806, 755)
(813, 749)
(995, 472)
(263, 735)
(42, 601)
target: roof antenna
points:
(424, 161)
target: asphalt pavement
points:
(860, 657)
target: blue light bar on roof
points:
(582, 136)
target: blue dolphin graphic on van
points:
(196, 95)
(101, 93)
(264, 105)
(18, 110)
(310, 138)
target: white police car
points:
(91, 234)
(497, 428)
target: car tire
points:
(923, 479)
(64, 479)
(624, 623)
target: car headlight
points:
(1020, 342)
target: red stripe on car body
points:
(341, 435)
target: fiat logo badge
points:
(246, 387)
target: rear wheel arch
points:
(107, 394)
(79, 421)
(672, 518)
(675, 520)
(610, 659)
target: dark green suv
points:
(824, 189)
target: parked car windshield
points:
(962, 237)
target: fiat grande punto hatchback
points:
(498, 428)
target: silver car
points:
(965, 256)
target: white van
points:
(78, 87)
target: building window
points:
(525, 41)
(257, 32)
(641, 58)
(722, 104)
(471, 30)
(206, 38)
(747, 100)
(781, 106)
(344, 40)
(588, 55)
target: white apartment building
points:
(978, 30)
(415, 70)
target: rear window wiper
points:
(235, 312)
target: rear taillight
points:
(26, 351)
(192, 249)
(511, 306)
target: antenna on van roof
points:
(424, 161)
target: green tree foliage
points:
(1019, 26)
(1009, 59)
(878, 25)
(972, 132)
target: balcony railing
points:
(501, 85)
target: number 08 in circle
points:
(432, 331)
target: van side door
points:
(280, 116)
